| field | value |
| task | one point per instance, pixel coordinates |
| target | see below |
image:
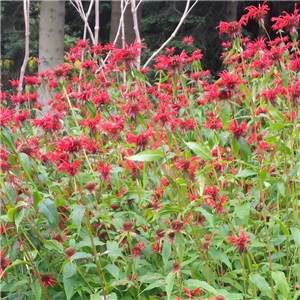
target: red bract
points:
(50, 122)
(70, 168)
(288, 22)
(233, 29)
(48, 280)
(6, 116)
(257, 13)
(241, 242)
(129, 54)
(5, 262)
(238, 130)
(32, 80)
(141, 140)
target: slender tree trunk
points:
(128, 22)
(231, 11)
(51, 38)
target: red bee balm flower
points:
(257, 13)
(241, 242)
(47, 280)
(290, 23)
(5, 262)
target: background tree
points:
(128, 22)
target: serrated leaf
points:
(282, 285)
(166, 251)
(80, 255)
(113, 270)
(36, 290)
(170, 279)
(147, 155)
(245, 173)
(200, 150)
(194, 283)
(77, 215)
(244, 147)
(69, 286)
(26, 162)
(217, 254)
(48, 209)
(296, 235)
(261, 284)
(166, 211)
(69, 270)
(225, 113)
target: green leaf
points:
(200, 150)
(166, 210)
(277, 115)
(80, 255)
(90, 106)
(69, 286)
(170, 279)
(48, 209)
(246, 173)
(208, 216)
(7, 138)
(194, 283)
(69, 270)
(147, 155)
(19, 218)
(217, 254)
(242, 212)
(282, 226)
(154, 285)
(113, 270)
(296, 235)
(276, 126)
(284, 74)
(77, 215)
(36, 199)
(244, 147)
(26, 162)
(225, 113)
(166, 251)
(36, 290)
(282, 285)
(261, 284)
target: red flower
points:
(104, 171)
(69, 168)
(50, 122)
(6, 116)
(189, 40)
(47, 280)
(129, 54)
(257, 13)
(241, 242)
(141, 140)
(290, 23)
(15, 83)
(233, 29)
(137, 250)
(32, 80)
(238, 130)
(5, 262)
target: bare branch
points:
(84, 16)
(136, 28)
(186, 12)
(97, 26)
(27, 33)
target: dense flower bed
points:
(169, 186)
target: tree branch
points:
(27, 33)
(186, 12)
(97, 26)
(136, 28)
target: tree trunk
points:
(128, 22)
(231, 11)
(51, 38)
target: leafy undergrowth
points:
(176, 186)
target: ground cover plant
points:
(160, 183)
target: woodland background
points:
(157, 21)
